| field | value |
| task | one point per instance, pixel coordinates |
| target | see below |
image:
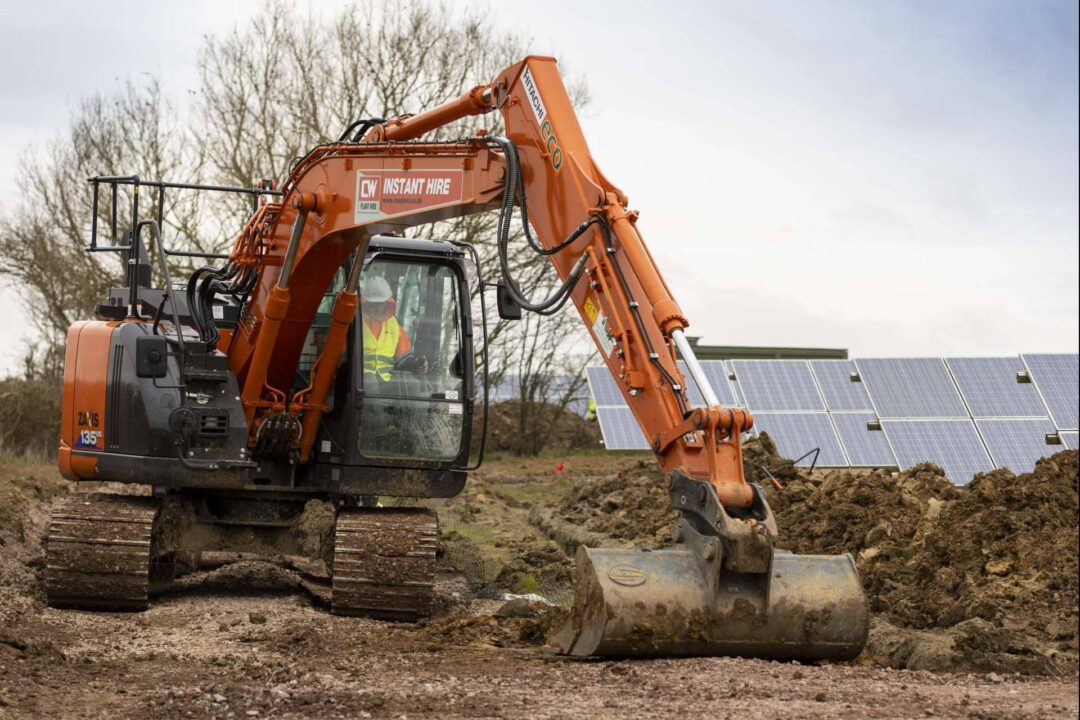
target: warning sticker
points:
(603, 337)
(590, 310)
(385, 193)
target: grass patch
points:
(480, 534)
(526, 584)
(532, 493)
(25, 480)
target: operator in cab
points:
(387, 346)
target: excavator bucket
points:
(635, 603)
(715, 594)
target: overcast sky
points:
(894, 178)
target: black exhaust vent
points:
(213, 424)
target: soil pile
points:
(632, 505)
(999, 566)
(992, 564)
(980, 577)
(547, 427)
(867, 513)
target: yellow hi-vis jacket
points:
(379, 351)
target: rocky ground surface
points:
(949, 573)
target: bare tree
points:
(42, 239)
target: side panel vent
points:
(113, 424)
(213, 424)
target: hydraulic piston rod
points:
(687, 353)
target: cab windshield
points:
(413, 379)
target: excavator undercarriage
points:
(267, 404)
(113, 552)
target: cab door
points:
(412, 363)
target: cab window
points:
(412, 369)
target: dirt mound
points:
(848, 511)
(993, 563)
(499, 629)
(631, 505)
(535, 567)
(547, 428)
(1005, 551)
(980, 577)
(762, 463)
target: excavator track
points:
(98, 553)
(384, 563)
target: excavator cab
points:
(400, 415)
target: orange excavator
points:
(328, 361)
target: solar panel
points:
(1070, 440)
(990, 388)
(603, 387)
(717, 373)
(740, 398)
(1017, 443)
(692, 392)
(911, 388)
(796, 434)
(778, 385)
(834, 379)
(864, 447)
(620, 429)
(954, 445)
(1057, 378)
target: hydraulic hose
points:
(515, 191)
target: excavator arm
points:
(721, 588)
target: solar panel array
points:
(865, 447)
(953, 444)
(966, 415)
(1058, 379)
(778, 385)
(990, 387)
(620, 429)
(911, 388)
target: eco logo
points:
(547, 133)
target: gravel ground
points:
(217, 653)
(249, 640)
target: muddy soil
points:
(555, 429)
(975, 578)
(255, 639)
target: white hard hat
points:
(376, 290)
